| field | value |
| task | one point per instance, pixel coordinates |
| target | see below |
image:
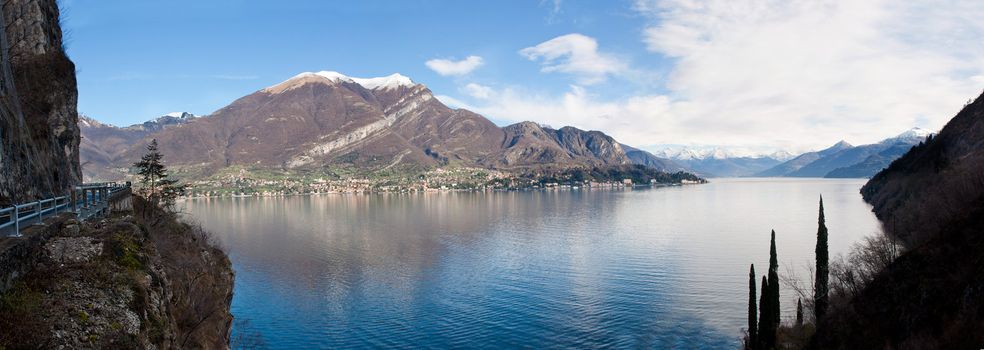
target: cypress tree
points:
(768, 339)
(799, 312)
(764, 314)
(774, 283)
(752, 309)
(823, 269)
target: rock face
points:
(39, 136)
(315, 120)
(141, 281)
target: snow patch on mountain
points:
(911, 136)
(701, 152)
(391, 81)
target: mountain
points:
(932, 296)
(844, 160)
(102, 145)
(872, 164)
(638, 156)
(911, 137)
(329, 120)
(721, 161)
(730, 167)
(803, 160)
(170, 119)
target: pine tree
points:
(157, 187)
(764, 314)
(823, 269)
(799, 312)
(752, 309)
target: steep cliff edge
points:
(136, 280)
(39, 135)
(932, 297)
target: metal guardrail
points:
(86, 201)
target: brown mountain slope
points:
(932, 297)
(322, 119)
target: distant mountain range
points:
(326, 119)
(103, 146)
(845, 160)
(715, 161)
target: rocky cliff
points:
(136, 280)
(39, 136)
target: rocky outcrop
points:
(39, 136)
(142, 280)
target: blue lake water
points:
(651, 268)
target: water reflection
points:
(654, 268)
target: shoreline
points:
(449, 190)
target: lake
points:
(645, 267)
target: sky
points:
(757, 75)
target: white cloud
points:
(816, 71)
(450, 67)
(575, 54)
(788, 74)
(478, 91)
(453, 102)
(632, 119)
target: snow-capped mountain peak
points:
(781, 155)
(913, 136)
(701, 152)
(391, 81)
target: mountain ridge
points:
(323, 119)
(845, 160)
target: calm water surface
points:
(665, 267)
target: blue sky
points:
(757, 74)
(139, 59)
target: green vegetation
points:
(769, 318)
(125, 251)
(341, 178)
(773, 293)
(157, 187)
(799, 312)
(764, 314)
(822, 268)
(638, 174)
(752, 312)
(20, 299)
